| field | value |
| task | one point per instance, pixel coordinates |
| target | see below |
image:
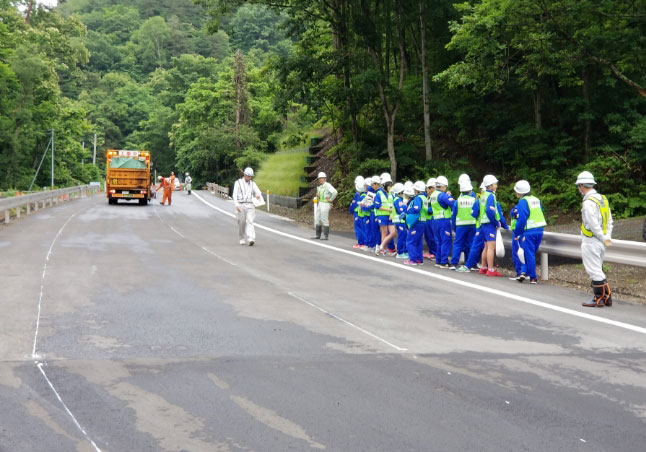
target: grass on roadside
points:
(281, 173)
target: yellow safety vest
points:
(604, 208)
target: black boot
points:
(598, 289)
(318, 233)
(608, 293)
(326, 232)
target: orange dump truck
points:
(127, 175)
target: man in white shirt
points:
(244, 192)
(325, 194)
(187, 183)
(596, 235)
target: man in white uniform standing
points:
(244, 192)
(325, 194)
(596, 234)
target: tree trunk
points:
(538, 119)
(587, 123)
(29, 7)
(425, 89)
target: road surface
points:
(131, 328)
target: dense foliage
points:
(519, 88)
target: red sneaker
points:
(494, 273)
(428, 256)
(409, 262)
(356, 245)
(482, 271)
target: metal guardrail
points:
(569, 245)
(18, 203)
(222, 192)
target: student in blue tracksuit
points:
(399, 208)
(367, 212)
(355, 210)
(415, 226)
(529, 229)
(429, 234)
(477, 245)
(375, 232)
(490, 221)
(442, 205)
(463, 223)
(515, 244)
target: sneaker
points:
(514, 278)
(428, 256)
(251, 242)
(482, 271)
(462, 269)
(474, 269)
(522, 277)
(401, 256)
(406, 254)
(365, 248)
(420, 263)
(409, 262)
(452, 267)
(392, 253)
(377, 249)
(533, 281)
(356, 245)
(242, 242)
(444, 266)
(437, 265)
(493, 273)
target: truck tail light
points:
(113, 191)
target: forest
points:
(532, 89)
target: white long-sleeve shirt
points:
(592, 219)
(244, 192)
(325, 191)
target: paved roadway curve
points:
(159, 332)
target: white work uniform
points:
(187, 183)
(324, 192)
(243, 194)
(593, 249)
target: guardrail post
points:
(544, 266)
(28, 208)
(18, 211)
(6, 216)
(267, 200)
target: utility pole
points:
(94, 157)
(52, 159)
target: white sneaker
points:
(377, 249)
(242, 242)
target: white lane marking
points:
(473, 286)
(42, 284)
(219, 257)
(177, 232)
(81, 429)
(346, 322)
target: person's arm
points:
(475, 210)
(332, 192)
(256, 191)
(236, 193)
(610, 224)
(490, 210)
(353, 204)
(454, 215)
(503, 222)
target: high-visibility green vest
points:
(604, 208)
(424, 216)
(321, 192)
(439, 212)
(484, 219)
(513, 223)
(536, 216)
(359, 210)
(463, 217)
(386, 201)
(394, 216)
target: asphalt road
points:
(130, 328)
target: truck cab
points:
(127, 175)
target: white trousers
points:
(246, 216)
(322, 214)
(592, 253)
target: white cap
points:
(367, 181)
(464, 178)
(489, 180)
(431, 182)
(585, 177)
(248, 172)
(465, 186)
(321, 175)
(420, 186)
(441, 181)
(398, 188)
(376, 180)
(522, 187)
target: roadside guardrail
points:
(222, 192)
(569, 245)
(36, 200)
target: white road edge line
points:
(489, 290)
(291, 294)
(81, 429)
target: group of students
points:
(395, 219)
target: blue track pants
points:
(463, 239)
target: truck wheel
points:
(112, 201)
(143, 202)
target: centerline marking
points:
(448, 279)
(291, 294)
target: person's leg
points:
(250, 217)
(357, 229)
(415, 249)
(530, 247)
(242, 223)
(476, 250)
(318, 226)
(325, 220)
(447, 239)
(461, 235)
(515, 245)
(170, 196)
(401, 239)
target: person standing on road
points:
(529, 229)
(596, 235)
(490, 221)
(441, 205)
(415, 223)
(168, 194)
(325, 194)
(429, 228)
(383, 213)
(355, 210)
(244, 192)
(399, 210)
(463, 223)
(188, 181)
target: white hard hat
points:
(441, 180)
(409, 191)
(359, 185)
(376, 180)
(431, 182)
(489, 180)
(398, 188)
(585, 177)
(248, 172)
(367, 181)
(408, 184)
(321, 175)
(358, 178)
(385, 178)
(187, 174)
(420, 186)
(465, 185)
(464, 178)
(482, 186)
(522, 187)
